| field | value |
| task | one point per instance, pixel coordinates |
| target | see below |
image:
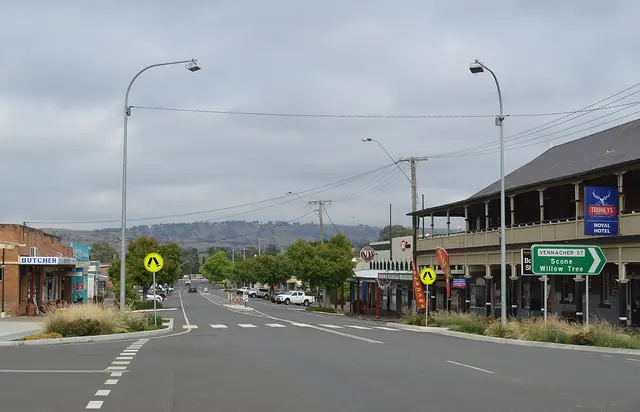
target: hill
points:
(242, 234)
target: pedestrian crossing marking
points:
(331, 326)
(246, 325)
(219, 326)
(302, 325)
(275, 325)
(280, 325)
(357, 327)
(385, 328)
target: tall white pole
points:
(123, 218)
(503, 200)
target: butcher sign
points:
(403, 245)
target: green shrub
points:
(321, 309)
(412, 319)
(78, 327)
(145, 304)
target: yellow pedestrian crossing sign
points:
(427, 276)
(153, 262)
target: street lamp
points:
(478, 67)
(192, 66)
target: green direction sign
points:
(567, 260)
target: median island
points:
(555, 330)
(91, 320)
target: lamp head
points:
(367, 139)
(192, 66)
(476, 67)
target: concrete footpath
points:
(14, 328)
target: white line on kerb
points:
(469, 366)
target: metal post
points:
(423, 234)
(426, 308)
(390, 237)
(123, 217)
(3, 278)
(544, 298)
(155, 311)
(414, 194)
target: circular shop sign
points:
(367, 253)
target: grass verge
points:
(320, 309)
(92, 320)
(597, 333)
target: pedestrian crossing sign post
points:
(153, 262)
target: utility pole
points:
(321, 204)
(413, 161)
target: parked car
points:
(242, 290)
(295, 297)
(276, 293)
(261, 293)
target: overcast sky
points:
(66, 64)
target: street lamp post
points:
(478, 67)
(192, 66)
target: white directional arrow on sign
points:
(596, 260)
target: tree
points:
(396, 231)
(137, 275)
(243, 272)
(272, 270)
(103, 252)
(216, 267)
(338, 262)
(191, 260)
(306, 263)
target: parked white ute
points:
(296, 297)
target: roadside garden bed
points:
(320, 309)
(92, 320)
(556, 330)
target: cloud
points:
(67, 67)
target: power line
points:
(365, 116)
(308, 192)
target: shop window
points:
(567, 289)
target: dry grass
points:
(90, 319)
(555, 330)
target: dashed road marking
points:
(275, 325)
(117, 368)
(219, 326)
(386, 328)
(116, 374)
(124, 358)
(111, 381)
(94, 405)
(331, 326)
(357, 327)
(103, 392)
(246, 325)
(120, 362)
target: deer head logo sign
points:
(601, 199)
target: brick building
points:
(38, 270)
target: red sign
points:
(403, 245)
(79, 286)
(443, 260)
(421, 302)
(602, 210)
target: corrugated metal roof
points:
(604, 149)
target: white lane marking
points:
(358, 327)
(218, 326)
(275, 325)
(124, 358)
(632, 359)
(335, 332)
(103, 392)
(184, 313)
(49, 371)
(111, 381)
(607, 356)
(189, 327)
(386, 328)
(116, 374)
(117, 368)
(331, 326)
(130, 351)
(120, 362)
(469, 366)
(302, 325)
(246, 325)
(94, 405)
(128, 354)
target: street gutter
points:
(505, 341)
(91, 339)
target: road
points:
(283, 359)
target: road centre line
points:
(469, 366)
(49, 371)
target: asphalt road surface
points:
(280, 358)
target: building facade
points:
(38, 270)
(585, 192)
